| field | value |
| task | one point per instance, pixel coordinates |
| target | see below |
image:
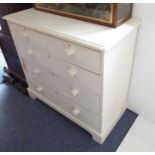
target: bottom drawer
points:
(84, 116)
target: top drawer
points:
(77, 55)
(19, 34)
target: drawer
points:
(20, 38)
(69, 52)
(75, 90)
(64, 70)
(37, 40)
(61, 101)
(35, 56)
(27, 39)
(19, 32)
(75, 75)
(77, 55)
(34, 39)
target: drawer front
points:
(65, 70)
(72, 89)
(37, 40)
(19, 32)
(20, 38)
(64, 103)
(36, 56)
(28, 40)
(78, 55)
(75, 75)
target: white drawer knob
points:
(39, 89)
(76, 111)
(69, 51)
(72, 72)
(74, 92)
(24, 34)
(36, 71)
(30, 52)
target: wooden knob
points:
(36, 71)
(30, 52)
(76, 111)
(70, 51)
(39, 89)
(74, 92)
(72, 72)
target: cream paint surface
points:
(94, 35)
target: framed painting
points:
(108, 14)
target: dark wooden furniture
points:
(7, 45)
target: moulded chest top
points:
(87, 34)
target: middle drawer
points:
(72, 81)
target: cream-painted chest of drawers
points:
(80, 69)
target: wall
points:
(141, 95)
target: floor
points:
(140, 138)
(28, 125)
